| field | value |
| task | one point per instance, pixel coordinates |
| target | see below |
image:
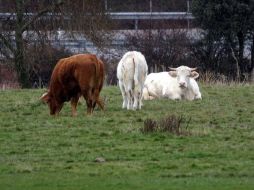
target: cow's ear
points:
(194, 74)
(45, 97)
(172, 73)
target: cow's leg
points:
(94, 96)
(140, 100)
(129, 99)
(130, 95)
(146, 95)
(124, 94)
(136, 99)
(135, 104)
(74, 102)
(97, 100)
(89, 103)
(198, 96)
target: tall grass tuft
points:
(149, 126)
(172, 124)
(212, 78)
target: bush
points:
(41, 59)
(110, 70)
(161, 48)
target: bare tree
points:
(31, 21)
(21, 24)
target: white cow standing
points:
(131, 73)
(177, 84)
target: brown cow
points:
(72, 77)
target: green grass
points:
(38, 151)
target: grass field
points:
(38, 151)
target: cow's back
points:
(72, 74)
(155, 82)
(141, 68)
(131, 67)
(87, 70)
(160, 85)
(125, 68)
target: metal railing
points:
(118, 15)
(150, 15)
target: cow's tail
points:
(100, 103)
(99, 83)
(135, 73)
(97, 72)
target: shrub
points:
(41, 60)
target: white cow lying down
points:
(177, 84)
(131, 73)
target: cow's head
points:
(52, 103)
(183, 75)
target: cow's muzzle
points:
(182, 85)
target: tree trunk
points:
(237, 65)
(235, 57)
(19, 53)
(20, 66)
(240, 37)
(252, 61)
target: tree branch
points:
(40, 13)
(237, 64)
(7, 43)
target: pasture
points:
(38, 151)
